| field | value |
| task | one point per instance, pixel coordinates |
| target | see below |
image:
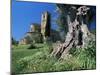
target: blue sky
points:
(25, 13)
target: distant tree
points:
(14, 42)
(62, 17)
(62, 24)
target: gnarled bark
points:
(78, 34)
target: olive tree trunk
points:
(78, 34)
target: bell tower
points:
(45, 24)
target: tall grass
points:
(86, 57)
(39, 60)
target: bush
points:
(32, 46)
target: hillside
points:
(26, 60)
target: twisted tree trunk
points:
(78, 34)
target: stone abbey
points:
(41, 32)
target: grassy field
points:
(26, 60)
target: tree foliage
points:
(63, 11)
(14, 42)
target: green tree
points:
(14, 42)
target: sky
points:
(23, 14)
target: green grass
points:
(26, 60)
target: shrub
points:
(32, 46)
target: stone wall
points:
(31, 37)
(35, 27)
(23, 41)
